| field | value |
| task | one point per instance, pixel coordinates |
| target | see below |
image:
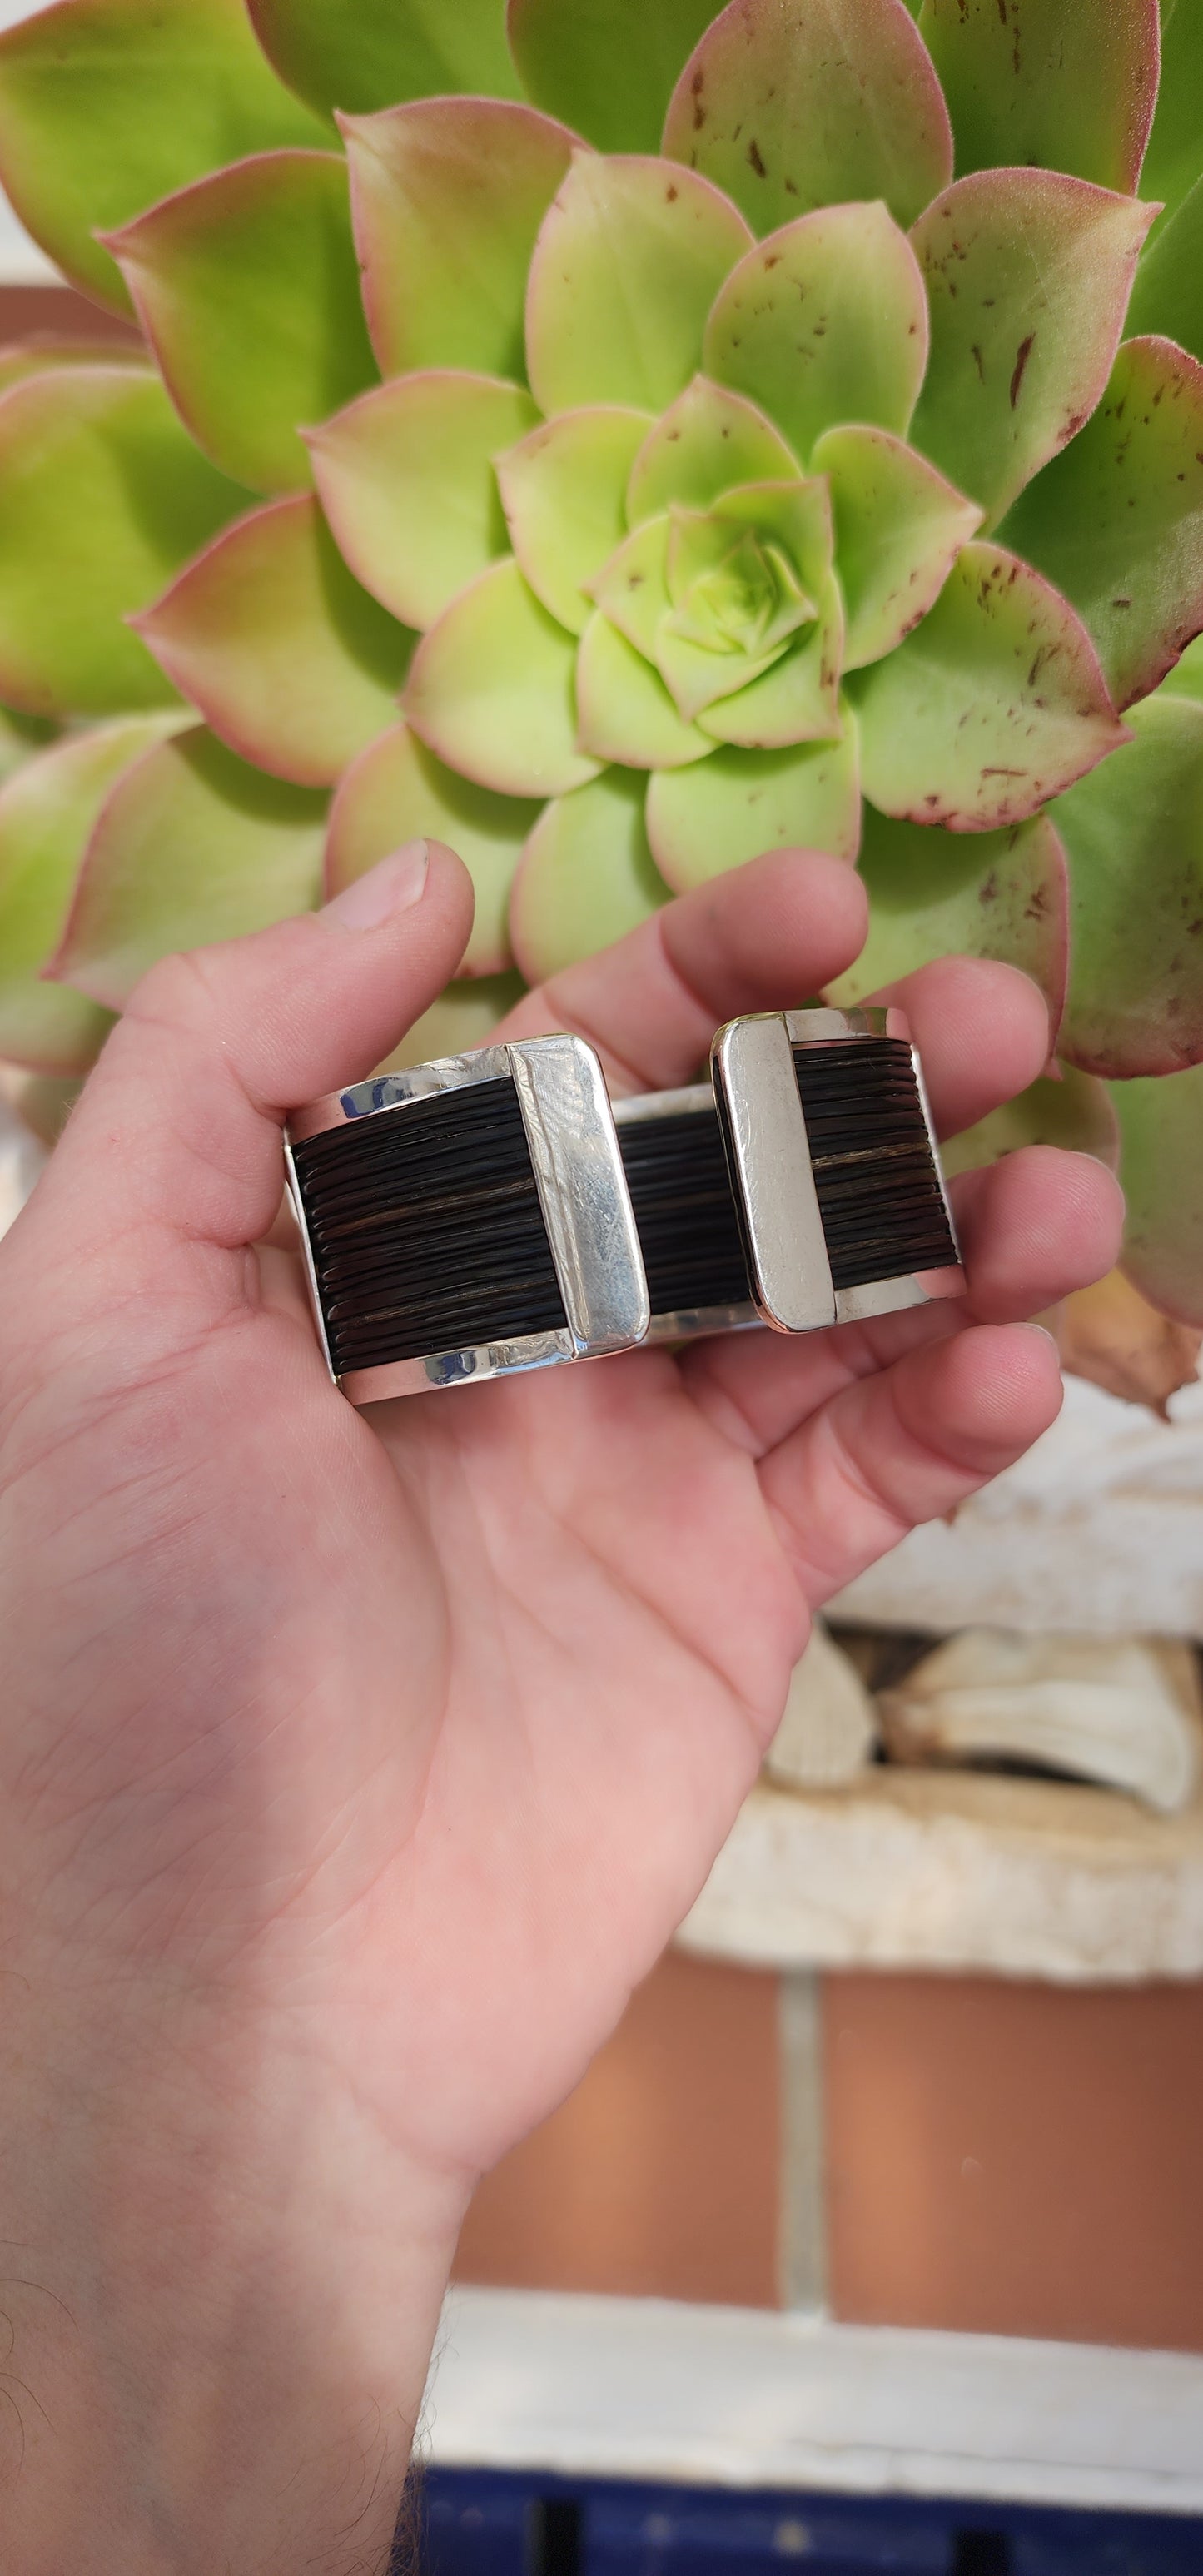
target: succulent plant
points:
(607, 434)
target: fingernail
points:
(390, 887)
(1044, 1334)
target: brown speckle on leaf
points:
(754, 157)
(671, 196)
(1022, 354)
(977, 360)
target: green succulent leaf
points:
(397, 791)
(704, 444)
(248, 291)
(1048, 84)
(463, 1017)
(989, 894)
(798, 700)
(564, 490)
(898, 529)
(1134, 834)
(191, 845)
(21, 738)
(745, 583)
(587, 876)
(792, 107)
(102, 497)
(407, 483)
(700, 822)
(608, 67)
(1028, 275)
(1171, 162)
(1116, 521)
(627, 265)
(47, 811)
(107, 105)
(338, 55)
(273, 640)
(1160, 1123)
(448, 196)
(40, 355)
(994, 704)
(624, 711)
(1070, 1110)
(1186, 678)
(491, 690)
(1168, 294)
(841, 292)
(632, 588)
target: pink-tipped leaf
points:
(824, 322)
(107, 105)
(624, 711)
(628, 262)
(271, 637)
(1048, 84)
(1028, 275)
(992, 706)
(707, 441)
(397, 791)
(191, 845)
(933, 894)
(789, 106)
(47, 810)
(448, 195)
(564, 489)
(899, 527)
(102, 497)
(247, 288)
(1117, 520)
(491, 690)
(407, 481)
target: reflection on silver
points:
(396, 1090)
(457, 1368)
(764, 1130)
(583, 1193)
(583, 1196)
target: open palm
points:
(414, 1733)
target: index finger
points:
(764, 937)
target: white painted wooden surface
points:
(1100, 1528)
(743, 2398)
(945, 1869)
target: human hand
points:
(354, 1768)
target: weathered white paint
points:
(739, 2397)
(1099, 1528)
(946, 1869)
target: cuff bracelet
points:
(495, 1212)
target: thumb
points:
(178, 1129)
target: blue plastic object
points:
(478, 2523)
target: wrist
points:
(230, 2286)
